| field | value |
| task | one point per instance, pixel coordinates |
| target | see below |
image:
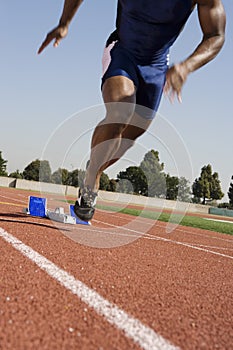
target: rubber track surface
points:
(179, 285)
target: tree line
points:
(148, 179)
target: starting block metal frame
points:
(37, 207)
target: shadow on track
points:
(26, 222)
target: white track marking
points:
(212, 247)
(144, 221)
(149, 236)
(138, 234)
(187, 231)
(204, 235)
(144, 336)
(12, 199)
(218, 220)
(189, 245)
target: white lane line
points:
(218, 220)
(187, 229)
(138, 234)
(149, 236)
(189, 245)
(144, 336)
(13, 199)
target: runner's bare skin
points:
(119, 130)
(212, 20)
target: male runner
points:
(138, 73)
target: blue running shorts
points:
(148, 77)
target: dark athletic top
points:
(147, 28)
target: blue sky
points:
(39, 94)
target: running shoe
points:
(84, 207)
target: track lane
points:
(133, 328)
(162, 284)
(38, 313)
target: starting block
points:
(59, 216)
(78, 221)
(38, 207)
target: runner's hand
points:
(57, 34)
(175, 79)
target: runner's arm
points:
(212, 21)
(69, 10)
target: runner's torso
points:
(147, 28)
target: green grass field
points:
(187, 220)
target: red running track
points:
(108, 286)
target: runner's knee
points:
(118, 89)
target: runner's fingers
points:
(166, 88)
(56, 42)
(42, 47)
(179, 97)
(171, 93)
(172, 96)
(45, 43)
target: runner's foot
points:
(84, 207)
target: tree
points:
(207, 186)
(153, 171)
(38, 170)
(16, 175)
(132, 180)
(60, 176)
(32, 171)
(76, 178)
(230, 193)
(184, 191)
(172, 183)
(112, 185)
(215, 188)
(104, 182)
(45, 171)
(73, 178)
(197, 194)
(3, 165)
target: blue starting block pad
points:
(78, 221)
(37, 206)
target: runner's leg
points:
(119, 97)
